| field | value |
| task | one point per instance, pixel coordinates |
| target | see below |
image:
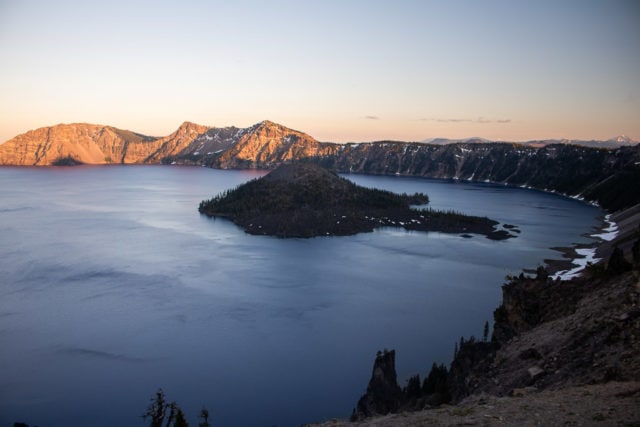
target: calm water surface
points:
(113, 285)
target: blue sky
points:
(338, 70)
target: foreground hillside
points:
(561, 352)
(610, 404)
(610, 177)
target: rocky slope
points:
(263, 145)
(268, 144)
(179, 142)
(610, 404)
(560, 352)
(611, 178)
(86, 143)
(97, 144)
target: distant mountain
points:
(446, 141)
(615, 142)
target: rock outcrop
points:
(180, 142)
(268, 144)
(86, 143)
(550, 338)
(383, 395)
(552, 335)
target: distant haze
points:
(341, 71)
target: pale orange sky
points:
(341, 71)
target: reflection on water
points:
(113, 285)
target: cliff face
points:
(551, 335)
(383, 395)
(611, 177)
(548, 336)
(170, 145)
(263, 145)
(94, 144)
(268, 144)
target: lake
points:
(113, 285)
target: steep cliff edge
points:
(609, 177)
(86, 143)
(569, 349)
(263, 145)
(268, 144)
(550, 334)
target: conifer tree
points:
(204, 414)
(617, 262)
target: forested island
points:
(306, 200)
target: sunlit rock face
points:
(85, 143)
(260, 145)
(268, 143)
(93, 144)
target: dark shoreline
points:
(413, 220)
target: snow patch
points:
(610, 232)
(589, 254)
(589, 257)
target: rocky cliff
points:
(551, 339)
(86, 143)
(383, 395)
(610, 177)
(263, 145)
(268, 144)
(552, 335)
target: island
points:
(307, 200)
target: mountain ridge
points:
(614, 142)
(607, 176)
(260, 145)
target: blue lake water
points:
(112, 285)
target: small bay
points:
(113, 285)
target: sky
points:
(339, 70)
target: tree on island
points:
(305, 200)
(618, 263)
